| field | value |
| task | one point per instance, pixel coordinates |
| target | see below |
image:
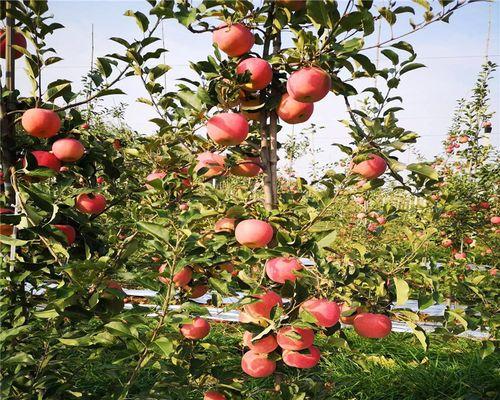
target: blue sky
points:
(452, 52)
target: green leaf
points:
(391, 55)
(327, 240)
(423, 3)
(411, 67)
(402, 291)
(420, 334)
(157, 230)
(104, 66)
(49, 314)
(163, 346)
(158, 71)
(107, 92)
(317, 12)
(141, 20)
(424, 170)
(117, 327)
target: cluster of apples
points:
(44, 123)
(296, 343)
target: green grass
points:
(392, 368)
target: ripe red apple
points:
(234, 40)
(371, 168)
(295, 338)
(46, 159)
(257, 365)
(225, 225)
(18, 39)
(100, 180)
(262, 308)
(361, 215)
(68, 150)
(484, 205)
(68, 231)
(261, 72)
(309, 84)
(184, 206)
(359, 200)
(249, 167)
(292, 5)
(6, 229)
(302, 360)
(154, 175)
(40, 122)
(372, 325)
(468, 240)
(327, 313)
(460, 256)
(292, 111)
(196, 330)
(196, 291)
(463, 139)
(253, 233)
(281, 269)
(211, 395)
(181, 278)
(90, 203)
(117, 144)
(267, 344)
(229, 267)
(84, 126)
(228, 129)
(372, 227)
(381, 220)
(447, 243)
(495, 220)
(213, 161)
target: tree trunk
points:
(7, 121)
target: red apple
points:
(372, 325)
(348, 313)
(447, 243)
(46, 159)
(261, 72)
(6, 229)
(295, 338)
(196, 291)
(68, 231)
(184, 206)
(281, 269)
(463, 139)
(18, 39)
(234, 40)
(327, 313)
(154, 175)
(228, 129)
(371, 168)
(40, 122)
(229, 267)
(302, 360)
(211, 395)
(484, 205)
(267, 344)
(181, 278)
(309, 84)
(213, 162)
(249, 167)
(90, 203)
(381, 220)
(257, 365)
(495, 220)
(460, 256)
(253, 233)
(225, 225)
(262, 308)
(68, 150)
(292, 111)
(196, 330)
